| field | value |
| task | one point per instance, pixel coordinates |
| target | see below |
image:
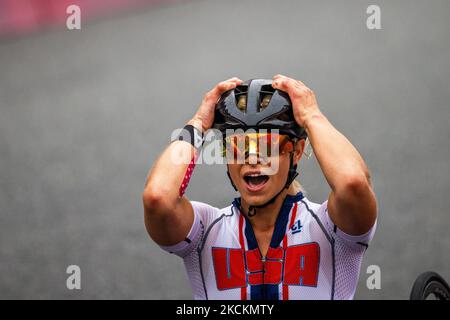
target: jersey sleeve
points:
(202, 215)
(346, 239)
(348, 255)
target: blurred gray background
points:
(83, 115)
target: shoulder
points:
(210, 214)
(205, 216)
(310, 205)
(319, 211)
(313, 209)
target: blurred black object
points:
(430, 286)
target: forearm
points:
(339, 160)
(170, 174)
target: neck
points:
(265, 217)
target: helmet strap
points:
(231, 180)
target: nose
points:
(252, 154)
(255, 158)
(252, 158)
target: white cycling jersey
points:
(308, 258)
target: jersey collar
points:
(280, 223)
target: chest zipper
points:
(263, 260)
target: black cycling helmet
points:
(256, 104)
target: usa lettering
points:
(296, 265)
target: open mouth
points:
(256, 181)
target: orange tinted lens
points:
(274, 144)
(235, 146)
(285, 144)
(263, 144)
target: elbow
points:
(368, 177)
(156, 202)
(356, 186)
(151, 200)
(357, 202)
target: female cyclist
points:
(271, 242)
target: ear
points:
(298, 150)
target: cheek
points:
(234, 170)
(280, 165)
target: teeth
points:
(253, 175)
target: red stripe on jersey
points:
(291, 223)
(241, 242)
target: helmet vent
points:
(240, 93)
(256, 104)
(265, 95)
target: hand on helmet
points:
(303, 99)
(204, 117)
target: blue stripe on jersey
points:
(280, 224)
(283, 219)
(256, 292)
(269, 291)
(278, 235)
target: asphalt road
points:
(83, 114)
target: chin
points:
(255, 200)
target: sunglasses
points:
(264, 145)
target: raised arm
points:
(168, 214)
(351, 204)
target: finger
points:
(287, 84)
(216, 92)
(225, 86)
(301, 83)
(280, 76)
(279, 79)
(234, 79)
(281, 82)
(277, 76)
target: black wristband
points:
(192, 135)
